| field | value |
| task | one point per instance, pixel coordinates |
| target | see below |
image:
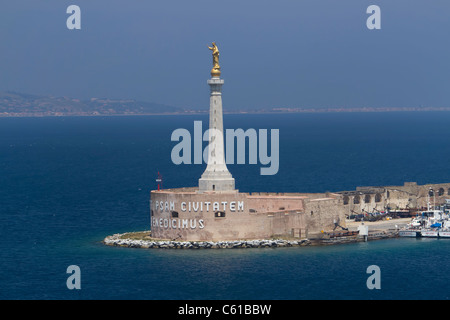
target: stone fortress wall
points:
(410, 196)
(186, 214)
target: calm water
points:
(66, 183)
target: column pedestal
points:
(216, 177)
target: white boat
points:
(409, 233)
(430, 222)
(429, 233)
(412, 229)
(432, 216)
(415, 223)
(445, 231)
(444, 234)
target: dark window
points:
(356, 199)
(219, 214)
(441, 191)
(367, 198)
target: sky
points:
(284, 53)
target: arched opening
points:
(356, 199)
(378, 197)
(367, 198)
(441, 192)
(346, 199)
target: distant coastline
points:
(201, 112)
(13, 104)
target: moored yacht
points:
(409, 233)
(444, 232)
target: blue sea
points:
(68, 182)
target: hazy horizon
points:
(302, 54)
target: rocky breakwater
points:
(123, 241)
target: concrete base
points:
(217, 183)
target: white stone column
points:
(216, 176)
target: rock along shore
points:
(122, 241)
(143, 240)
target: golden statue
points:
(215, 71)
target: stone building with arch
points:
(410, 196)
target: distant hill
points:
(20, 104)
(13, 104)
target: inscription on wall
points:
(198, 206)
(190, 206)
(177, 223)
